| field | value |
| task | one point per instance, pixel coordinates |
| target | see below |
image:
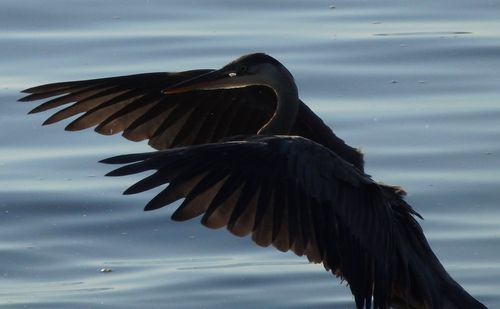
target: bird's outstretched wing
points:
(135, 105)
(296, 195)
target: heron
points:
(240, 149)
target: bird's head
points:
(249, 70)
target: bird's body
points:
(245, 152)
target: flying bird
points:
(245, 153)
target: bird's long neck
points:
(287, 106)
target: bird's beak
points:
(208, 81)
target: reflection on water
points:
(416, 85)
(422, 33)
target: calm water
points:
(415, 84)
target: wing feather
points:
(287, 191)
(79, 94)
(135, 105)
(123, 118)
(147, 124)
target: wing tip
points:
(113, 173)
(32, 90)
(137, 188)
(74, 126)
(48, 121)
(26, 98)
(130, 191)
(177, 216)
(107, 160)
(149, 208)
(153, 205)
(34, 110)
(128, 158)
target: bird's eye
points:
(242, 69)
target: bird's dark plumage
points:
(300, 189)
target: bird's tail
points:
(421, 282)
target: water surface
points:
(416, 85)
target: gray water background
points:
(415, 84)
